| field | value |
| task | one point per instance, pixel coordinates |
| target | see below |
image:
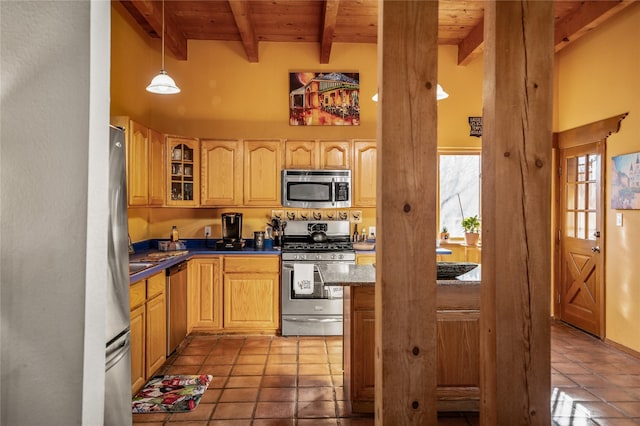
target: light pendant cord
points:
(162, 36)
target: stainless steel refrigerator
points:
(117, 403)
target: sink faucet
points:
(131, 250)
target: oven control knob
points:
(318, 257)
(341, 256)
(333, 256)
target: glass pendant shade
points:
(440, 94)
(163, 84)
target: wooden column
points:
(516, 213)
(406, 214)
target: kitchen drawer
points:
(137, 294)
(156, 285)
(251, 263)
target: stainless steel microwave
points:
(316, 189)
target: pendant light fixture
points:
(440, 94)
(162, 84)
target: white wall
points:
(53, 151)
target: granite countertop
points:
(344, 274)
(148, 252)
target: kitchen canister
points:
(258, 240)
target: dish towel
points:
(303, 278)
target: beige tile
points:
(277, 394)
(279, 381)
(239, 395)
(316, 409)
(313, 369)
(234, 410)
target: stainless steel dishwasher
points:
(176, 306)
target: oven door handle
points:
(325, 320)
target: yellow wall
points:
(598, 78)
(225, 96)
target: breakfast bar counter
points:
(458, 316)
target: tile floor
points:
(273, 380)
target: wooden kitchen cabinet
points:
(221, 181)
(204, 295)
(359, 348)
(364, 173)
(262, 166)
(183, 173)
(148, 314)
(145, 163)
(301, 154)
(138, 335)
(335, 154)
(458, 334)
(157, 164)
(251, 293)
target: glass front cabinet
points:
(183, 185)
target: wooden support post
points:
(516, 213)
(406, 214)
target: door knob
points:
(595, 249)
(596, 234)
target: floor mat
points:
(171, 394)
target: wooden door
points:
(137, 164)
(364, 173)
(156, 339)
(262, 166)
(251, 301)
(138, 337)
(221, 177)
(156, 168)
(300, 155)
(581, 238)
(205, 294)
(335, 154)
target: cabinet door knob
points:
(595, 249)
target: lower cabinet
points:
(148, 313)
(458, 358)
(204, 295)
(251, 293)
(234, 294)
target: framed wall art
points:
(625, 181)
(324, 99)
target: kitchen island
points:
(458, 316)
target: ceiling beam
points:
(151, 12)
(472, 46)
(242, 16)
(328, 28)
(588, 16)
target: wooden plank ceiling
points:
(336, 21)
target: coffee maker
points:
(231, 232)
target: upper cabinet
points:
(262, 166)
(301, 155)
(364, 173)
(221, 175)
(145, 163)
(157, 168)
(335, 154)
(183, 187)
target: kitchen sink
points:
(135, 267)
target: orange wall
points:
(598, 78)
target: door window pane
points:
(459, 178)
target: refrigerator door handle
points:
(114, 355)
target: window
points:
(459, 191)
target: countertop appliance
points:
(117, 396)
(316, 189)
(308, 306)
(231, 232)
(176, 306)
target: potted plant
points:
(471, 227)
(444, 234)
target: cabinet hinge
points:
(559, 171)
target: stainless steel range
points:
(308, 307)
